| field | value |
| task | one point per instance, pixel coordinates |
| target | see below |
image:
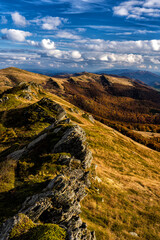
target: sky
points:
(80, 35)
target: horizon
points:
(76, 36)
(116, 71)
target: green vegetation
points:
(7, 175)
(27, 230)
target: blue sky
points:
(80, 35)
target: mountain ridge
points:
(150, 78)
(123, 197)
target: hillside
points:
(123, 197)
(147, 77)
(122, 103)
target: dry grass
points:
(128, 199)
(122, 81)
(148, 134)
(7, 175)
(11, 76)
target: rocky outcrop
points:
(59, 201)
(74, 142)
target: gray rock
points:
(6, 228)
(73, 142)
(26, 95)
(59, 201)
(16, 155)
(36, 141)
(5, 99)
(90, 117)
(134, 234)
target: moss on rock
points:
(26, 229)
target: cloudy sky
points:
(80, 35)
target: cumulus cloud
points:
(15, 35)
(128, 58)
(19, 20)
(47, 44)
(55, 53)
(67, 35)
(50, 23)
(76, 54)
(138, 9)
(100, 45)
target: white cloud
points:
(76, 54)
(155, 45)
(55, 53)
(67, 35)
(32, 43)
(152, 3)
(15, 35)
(81, 29)
(138, 9)
(3, 20)
(50, 23)
(19, 20)
(155, 60)
(47, 44)
(136, 47)
(128, 58)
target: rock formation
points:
(59, 201)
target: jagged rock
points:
(73, 141)
(59, 201)
(60, 112)
(6, 228)
(36, 141)
(26, 95)
(16, 155)
(90, 117)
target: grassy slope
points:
(128, 198)
(11, 76)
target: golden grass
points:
(122, 81)
(148, 134)
(128, 198)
